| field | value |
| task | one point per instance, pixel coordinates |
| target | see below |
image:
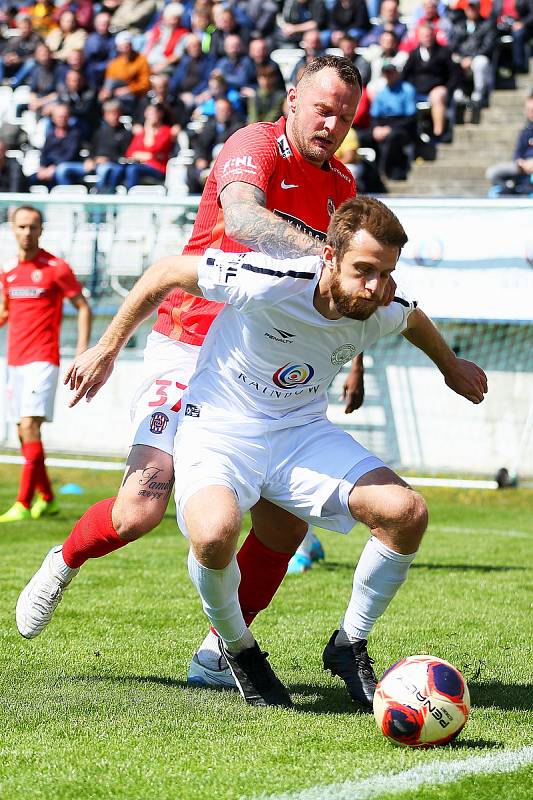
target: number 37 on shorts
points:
(156, 412)
(162, 390)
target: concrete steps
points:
(459, 169)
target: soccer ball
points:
(421, 701)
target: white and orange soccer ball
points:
(421, 701)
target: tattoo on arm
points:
(248, 221)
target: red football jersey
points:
(301, 193)
(34, 291)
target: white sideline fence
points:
(469, 263)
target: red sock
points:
(43, 484)
(262, 571)
(33, 461)
(92, 536)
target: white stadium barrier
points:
(469, 263)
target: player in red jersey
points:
(34, 284)
(273, 189)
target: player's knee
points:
(414, 514)
(133, 523)
(408, 511)
(214, 538)
(29, 429)
(215, 548)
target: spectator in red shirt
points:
(430, 16)
(82, 10)
(163, 49)
(150, 149)
(34, 284)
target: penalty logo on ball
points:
(421, 701)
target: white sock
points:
(208, 654)
(60, 569)
(307, 543)
(379, 574)
(218, 589)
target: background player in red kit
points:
(273, 189)
(34, 284)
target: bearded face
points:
(355, 305)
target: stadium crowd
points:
(108, 92)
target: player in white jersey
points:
(254, 424)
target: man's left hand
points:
(467, 379)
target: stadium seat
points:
(74, 189)
(134, 220)
(126, 260)
(104, 239)
(6, 93)
(57, 240)
(18, 154)
(176, 176)
(8, 244)
(32, 160)
(19, 104)
(169, 242)
(36, 129)
(286, 59)
(154, 190)
(368, 153)
(71, 214)
(83, 254)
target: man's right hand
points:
(353, 390)
(88, 373)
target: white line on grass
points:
(433, 774)
(513, 534)
(117, 466)
(450, 483)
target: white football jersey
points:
(270, 355)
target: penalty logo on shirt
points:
(36, 275)
(293, 375)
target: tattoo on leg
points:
(154, 488)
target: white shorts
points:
(168, 366)
(31, 390)
(299, 469)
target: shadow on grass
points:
(330, 566)
(337, 566)
(462, 743)
(468, 567)
(103, 678)
(506, 696)
(319, 699)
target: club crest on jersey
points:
(343, 354)
(293, 375)
(284, 146)
(331, 206)
(36, 275)
(158, 422)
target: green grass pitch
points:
(97, 707)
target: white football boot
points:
(40, 598)
(209, 669)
